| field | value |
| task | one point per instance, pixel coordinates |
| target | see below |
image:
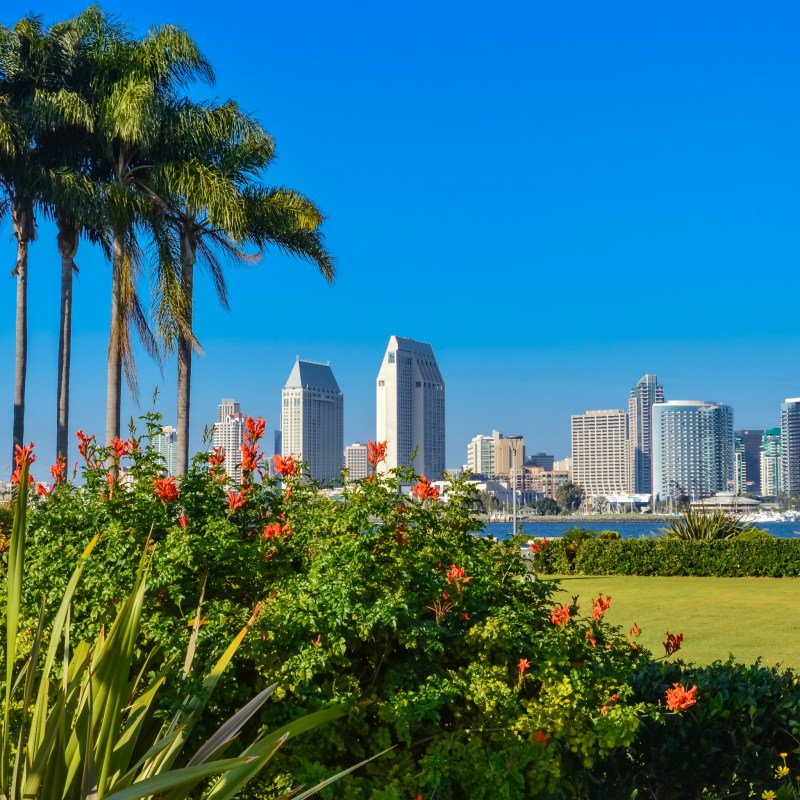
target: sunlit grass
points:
(746, 617)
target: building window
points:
(391, 358)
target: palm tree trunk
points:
(24, 231)
(67, 248)
(114, 380)
(188, 257)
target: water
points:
(627, 530)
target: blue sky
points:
(559, 197)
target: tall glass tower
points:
(644, 395)
(790, 446)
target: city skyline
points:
(652, 145)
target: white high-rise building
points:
(771, 463)
(229, 435)
(312, 420)
(410, 407)
(790, 446)
(480, 456)
(600, 453)
(165, 444)
(693, 453)
(644, 395)
(355, 461)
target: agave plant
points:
(697, 524)
(86, 734)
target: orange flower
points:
(523, 666)
(110, 481)
(287, 467)
(166, 489)
(591, 638)
(600, 606)
(376, 452)
(541, 738)
(634, 631)
(235, 500)
(216, 458)
(274, 529)
(560, 615)
(22, 456)
(83, 444)
(182, 521)
(673, 643)
(41, 490)
(121, 448)
(251, 455)
(59, 470)
(254, 429)
(536, 547)
(679, 698)
(425, 489)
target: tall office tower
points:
(647, 392)
(739, 464)
(356, 461)
(509, 454)
(748, 444)
(771, 485)
(410, 407)
(165, 444)
(692, 449)
(229, 435)
(480, 456)
(312, 420)
(790, 446)
(600, 453)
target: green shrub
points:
(702, 525)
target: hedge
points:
(761, 556)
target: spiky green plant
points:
(83, 734)
(701, 525)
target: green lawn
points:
(746, 617)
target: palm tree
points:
(210, 197)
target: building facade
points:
(693, 455)
(410, 397)
(600, 453)
(356, 461)
(165, 444)
(480, 456)
(748, 449)
(229, 435)
(790, 446)
(644, 395)
(312, 420)
(771, 463)
(543, 460)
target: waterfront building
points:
(312, 420)
(543, 460)
(480, 456)
(229, 435)
(508, 453)
(165, 443)
(771, 463)
(692, 449)
(644, 395)
(790, 446)
(356, 462)
(545, 482)
(748, 478)
(600, 452)
(410, 409)
(563, 465)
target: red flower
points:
(166, 489)
(523, 666)
(679, 698)
(425, 489)
(110, 480)
(235, 500)
(254, 429)
(22, 456)
(287, 467)
(376, 452)
(276, 529)
(182, 521)
(541, 738)
(673, 643)
(634, 631)
(560, 615)
(83, 444)
(59, 470)
(41, 490)
(591, 638)
(121, 448)
(316, 642)
(600, 606)
(216, 458)
(536, 547)
(251, 455)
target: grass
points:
(748, 618)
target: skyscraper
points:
(692, 449)
(229, 435)
(790, 446)
(644, 395)
(356, 461)
(600, 453)
(312, 420)
(771, 466)
(165, 444)
(748, 451)
(410, 407)
(480, 456)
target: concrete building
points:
(411, 408)
(644, 395)
(748, 450)
(508, 452)
(600, 454)
(790, 446)
(771, 463)
(312, 420)
(563, 465)
(356, 462)
(692, 449)
(480, 456)
(543, 460)
(229, 435)
(165, 444)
